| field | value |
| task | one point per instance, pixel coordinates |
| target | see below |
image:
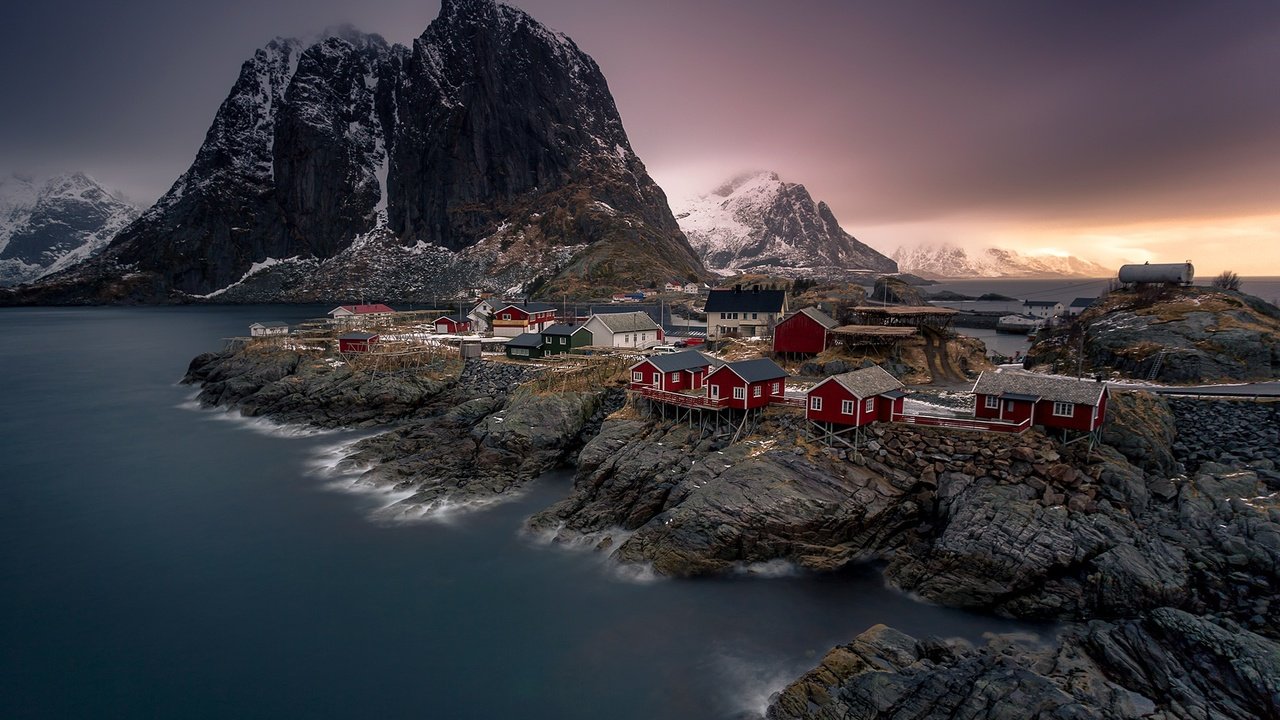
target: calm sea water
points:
(159, 561)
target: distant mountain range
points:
(945, 261)
(756, 222)
(490, 153)
(50, 224)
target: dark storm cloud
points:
(891, 111)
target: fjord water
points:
(159, 561)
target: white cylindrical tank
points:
(1181, 273)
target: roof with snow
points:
(750, 300)
(687, 360)
(363, 309)
(526, 340)
(817, 316)
(627, 322)
(1024, 386)
(757, 370)
(867, 382)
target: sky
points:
(1112, 130)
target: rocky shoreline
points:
(1160, 547)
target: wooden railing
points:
(682, 399)
(963, 423)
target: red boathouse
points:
(804, 331)
(1052, 402)
(856, 398)
(674, 372)
(452, 324)
(747, 384)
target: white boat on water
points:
(1019, 323)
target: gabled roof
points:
(1040, 303)
(1058, 389)
(526, 340)
(363, 309)
(686, 360)
(866, 382)
(1083, 302)
(561, 329)
(627, 322)
(768, 301)
(757, 370)
(271, 324)
(357, 336)
(532, 307)
(816, 315)
(453, 318)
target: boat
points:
(1020, 324)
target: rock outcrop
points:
(1185, 335)
(491, 148)
(1167, 664)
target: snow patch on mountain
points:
(758, 222)
(941, 261)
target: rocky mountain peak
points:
(755, 221)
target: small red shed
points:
(1053, 402)
(674, 372)
(453, 324)
(856, 398)
(356, 342)
(804, 331)
(747, 384)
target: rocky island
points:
(1159, 548)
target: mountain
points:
(949, 261)
(758, 222)
(49, 225)
(490, 153)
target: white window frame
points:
(739, 393)
(815, 403)
(715, 392)
(1059, 406)
(637, 376)
(846, 407)
(506, 316)
(755, 316)
(757, 391)
(991, 403)
(674, 377)
(776, 389)
(871, 404)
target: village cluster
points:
(684, 383)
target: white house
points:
(691, 288)
(673, 287)
(481, 315)
(269, 329)
(348, 314)
(749, 313)
(1043, 308)
(624, 330)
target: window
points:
(674, 377)
(739, 393)
(871, 404)
(506, 316)
(755, 316)
(815, 402)
(1063, 409)
(722, 315)
(992, 402)
(523, 352)
(564, 341)
(756, 391)
(715, 392)
(777, 388)
(846, 407)
(637, 376)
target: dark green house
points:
(525, 346)
(561, 338)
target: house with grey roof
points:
(747, 384)
(856, 398)
(676, 372)
(623, 330)
(1016, 396)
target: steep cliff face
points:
(52, 224)
(758, 222)
(492, 146)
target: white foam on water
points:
(750, 685)
(259, 425)
(636, 573)
(442, 510)
(771, 569)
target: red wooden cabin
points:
(356, 342)
(805, 331)
(513, 319)
(453, 324)
(674, 372)
(856, 398)
(747, 384)
(1052, 402)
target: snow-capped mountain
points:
(758, 222)
(50, 224)
(949, 261)
(492, 141)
